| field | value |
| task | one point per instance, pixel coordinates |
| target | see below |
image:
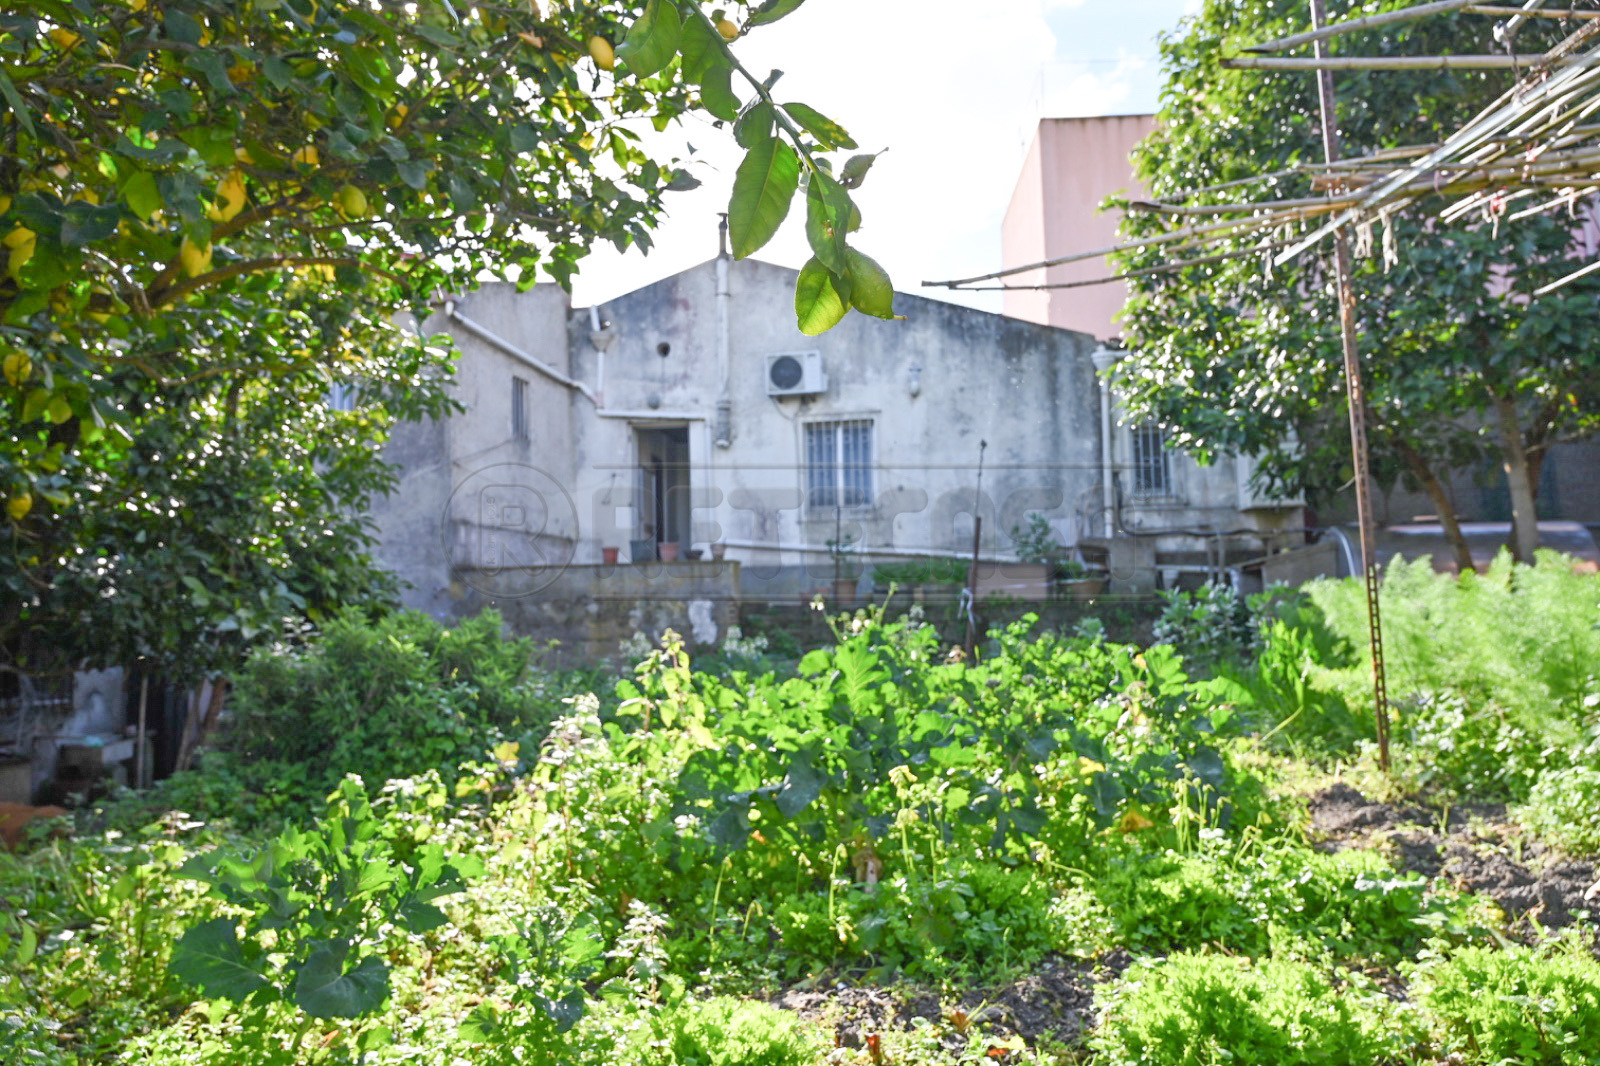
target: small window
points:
(341, 396)
(519, 408)
(839, 464)
(1150, 474)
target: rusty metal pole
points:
(971, 643)
(1356, 393)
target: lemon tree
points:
(212, 211)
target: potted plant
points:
(1036, 543)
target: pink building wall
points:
(1072, 165)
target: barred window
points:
(1150, 474)
(519, 408)
(839, 464)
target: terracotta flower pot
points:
(669, 550)
(609, 555)
(719, 551)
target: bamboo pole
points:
(1283, 44)
(1545, 290)
(1163, 268)
(1356, 395)
(1508, 12)
(1462, 62)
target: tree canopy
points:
(1461, 362)
(215, 211)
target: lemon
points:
(19, 506)
(307, 156)
(21, 242)
(18, 368)
(230, 198)
(728, 30)
(352, 202)
(604, 56)
(194, 258)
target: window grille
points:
(839, 464)
(1151, 476)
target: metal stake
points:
(972, 570)
(1357, 398)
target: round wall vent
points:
(785, 372)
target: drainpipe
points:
(1104, 359)
(601, 336)
(724, 422)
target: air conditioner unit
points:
(796, 374)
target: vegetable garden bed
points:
(1068, 850)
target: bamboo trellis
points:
(1539, 142)
(1539, 139)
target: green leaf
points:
(762, 189)
(324, 989)
(818, 306)
(828, 133)
(754, 125)
(14, 101)
(803, 784)
(703, 48)
(35, 404)
(653, 38)
(682, 181)
(85, 223)
(482, 1026)
(871, 291)
(566, 1011)
(209, 955)
(183, 29)
(772, 11)
(716, 93)
(827, 205)
(141, 195)
(855, 170)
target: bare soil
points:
(1054, 1004)
(1471, 848)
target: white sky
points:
(953, 88)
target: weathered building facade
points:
(691, 418)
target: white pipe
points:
(512, 350)
(1104, 359)
(724, 423)
(1349, 553)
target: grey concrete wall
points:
(591, 610)
(1028, 390)
(483, 513)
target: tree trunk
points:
(198, 727)
(1519, 478)
(1443, 506)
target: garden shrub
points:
(1518, 1005)
(1198, 1010)
(1209, 627)
(1564, 808)
(382, 699)
(1495, 675)
(724, 1031)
